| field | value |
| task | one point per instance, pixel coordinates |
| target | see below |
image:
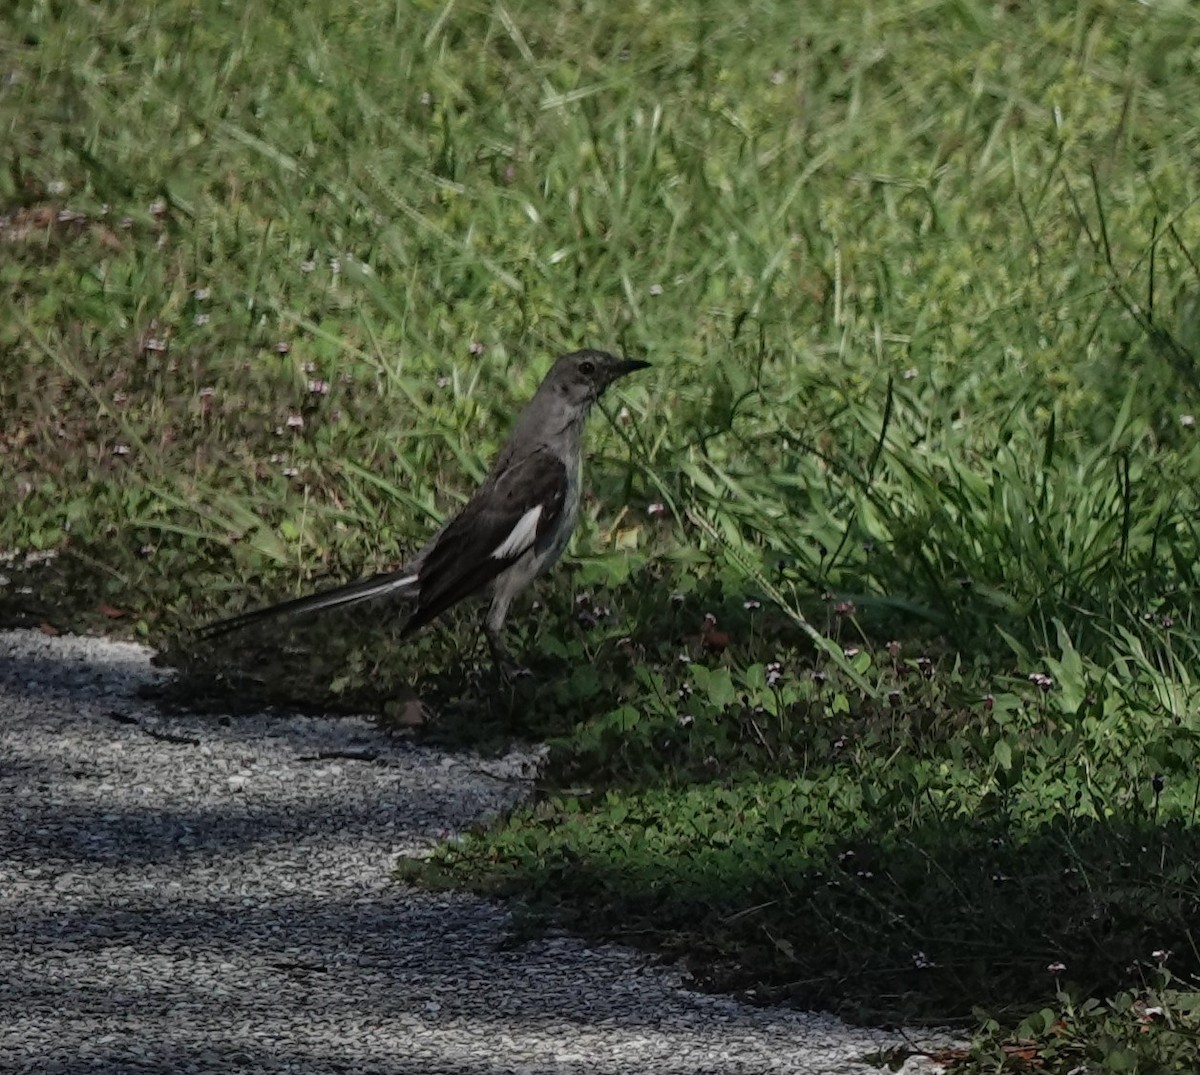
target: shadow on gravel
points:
(235, 1057)
(116, 837)
(86, 668)
(267, 907)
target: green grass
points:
(921, 283)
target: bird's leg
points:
(493, 625)
(506, 667)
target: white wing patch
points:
(522, 536)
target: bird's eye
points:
(587, 368)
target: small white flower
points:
(200, 294)
(656, 289)
(290, 472)
(200, 319)
(155, 343)
(295, 421)
(120, 449)
(1187, 420)
(307, 265)
(56, 186)
(207, 392)
(656, 509)
(1057, 968)
(910, 374)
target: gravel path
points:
(188, 894)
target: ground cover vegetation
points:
(870, 683)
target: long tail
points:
(352, 593)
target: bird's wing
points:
(509, 516)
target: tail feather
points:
(351, 594)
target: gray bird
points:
(511, 531)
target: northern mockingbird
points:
(511, 531)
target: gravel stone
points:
(191, 894)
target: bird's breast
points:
(565, 527)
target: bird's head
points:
(579, 378)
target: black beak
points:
(626, 365)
